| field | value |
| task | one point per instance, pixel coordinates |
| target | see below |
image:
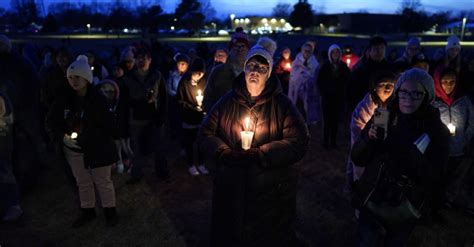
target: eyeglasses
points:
(414, 95)
(255, 67)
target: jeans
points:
(372, 233)
(145, 138)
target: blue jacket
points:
(461, 115)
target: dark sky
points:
(264, 7)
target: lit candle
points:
(348, 62)
(452, 129)
(92, 68)
(246, 135)
(199, 98)
(288, 66)
(73, 135)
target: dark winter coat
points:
(89, 116)
(362, 74)
(332, 81)
(53, 84)
(401, 158)
(187, 99)
(254, 191)
(219, 83)
(6, 140)
(136, 92)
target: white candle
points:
(348, 62)
(73, 135)
(452, 128)
(246, 135)
(288, 66)
(92, 68)
(199, 97)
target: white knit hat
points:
(265, 48)
(4, 40)
(81, 68)
(453, 41)
(420, 76)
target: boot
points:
(86, 216)
(111, 217)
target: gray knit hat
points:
(81, 68)
(265, 48)
(421, 77)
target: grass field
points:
(177, 213)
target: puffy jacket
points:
(250, 196)
(89, 116)
(461, 115)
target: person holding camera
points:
(145, 93)
(381, 91)
(403, 164)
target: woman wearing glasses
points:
(403, 168)
(254, 198)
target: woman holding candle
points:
(400, 178)
(92, 153)
(457, 114)
(254, 200)
(190, 97)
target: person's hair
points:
(448, 71)
(381, 76)
(377, 40)
(259, 59)
(62, 51)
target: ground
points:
(177, 213)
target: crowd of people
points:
(243, 116)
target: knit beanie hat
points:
(81, 68)
(127, 54)
(179, 57)
(265, 48)
(377, 40)
(239, 37)
(453, 41)
(414, 41)
(420, 76)
(331, 48)
(4, 40)
(198, 65)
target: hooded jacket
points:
(250, 195)
(333, 79)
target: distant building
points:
(262, 25)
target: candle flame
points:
(199, 92)
(288, 66)
(247, 123)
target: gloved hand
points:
(240, 157)
(69, 142)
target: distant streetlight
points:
(464, 20)
(88, 28)
(232, 17)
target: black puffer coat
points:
(90, 117)
(254, 199)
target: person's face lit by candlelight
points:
(257, 72)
